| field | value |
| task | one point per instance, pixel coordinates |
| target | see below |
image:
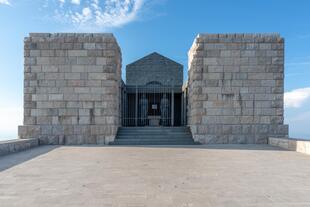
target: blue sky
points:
(166, 26)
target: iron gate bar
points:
(172, 106)
(133, 115)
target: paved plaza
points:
(228, 175)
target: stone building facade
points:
(71, 88)
(236, 86)
(74, 94)
(157, 81)
(154, 68)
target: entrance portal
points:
(152, 105)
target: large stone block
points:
(65, 75)
(235, 88)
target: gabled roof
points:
(154, 58)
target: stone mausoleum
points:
(74, 93)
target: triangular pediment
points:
(154, 59)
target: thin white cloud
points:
(7, 2)
(75, 2)
(94, 14)
(72, 1)
(295, 98)
(82, 18)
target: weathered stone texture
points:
(71, 88)
(154, 68)
(298, 145)
(17, 145)
(236, 88)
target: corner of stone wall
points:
(71, 88)
(235, 87)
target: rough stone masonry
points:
(71, 88)
(236, 88)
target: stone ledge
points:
(240, 37)
(71, 35)
(292, 144)
(17, 145)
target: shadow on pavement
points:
(14, 159)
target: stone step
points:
(153, 130)
(154, 136)
(154, 142)
(139, 136)
(154, 133)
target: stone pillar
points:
(236, 88)
(172, 106)
(136, 107)
(71, 88)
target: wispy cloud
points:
(96, 14)
(93, 15)
(7, 2)
(72, 1)
(76, 2)
(295, 98)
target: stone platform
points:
(225, 175)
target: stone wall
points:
(71, 88)
(154, 68)
(17, 145)
(236, 88)
(298, 145)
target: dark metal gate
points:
(153, 105)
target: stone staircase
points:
(154, 136)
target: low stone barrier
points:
(298, 145)
(17, 145)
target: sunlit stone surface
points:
(226, 175)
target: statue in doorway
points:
(164, 108)
(143, 108)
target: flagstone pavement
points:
(189, 176)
